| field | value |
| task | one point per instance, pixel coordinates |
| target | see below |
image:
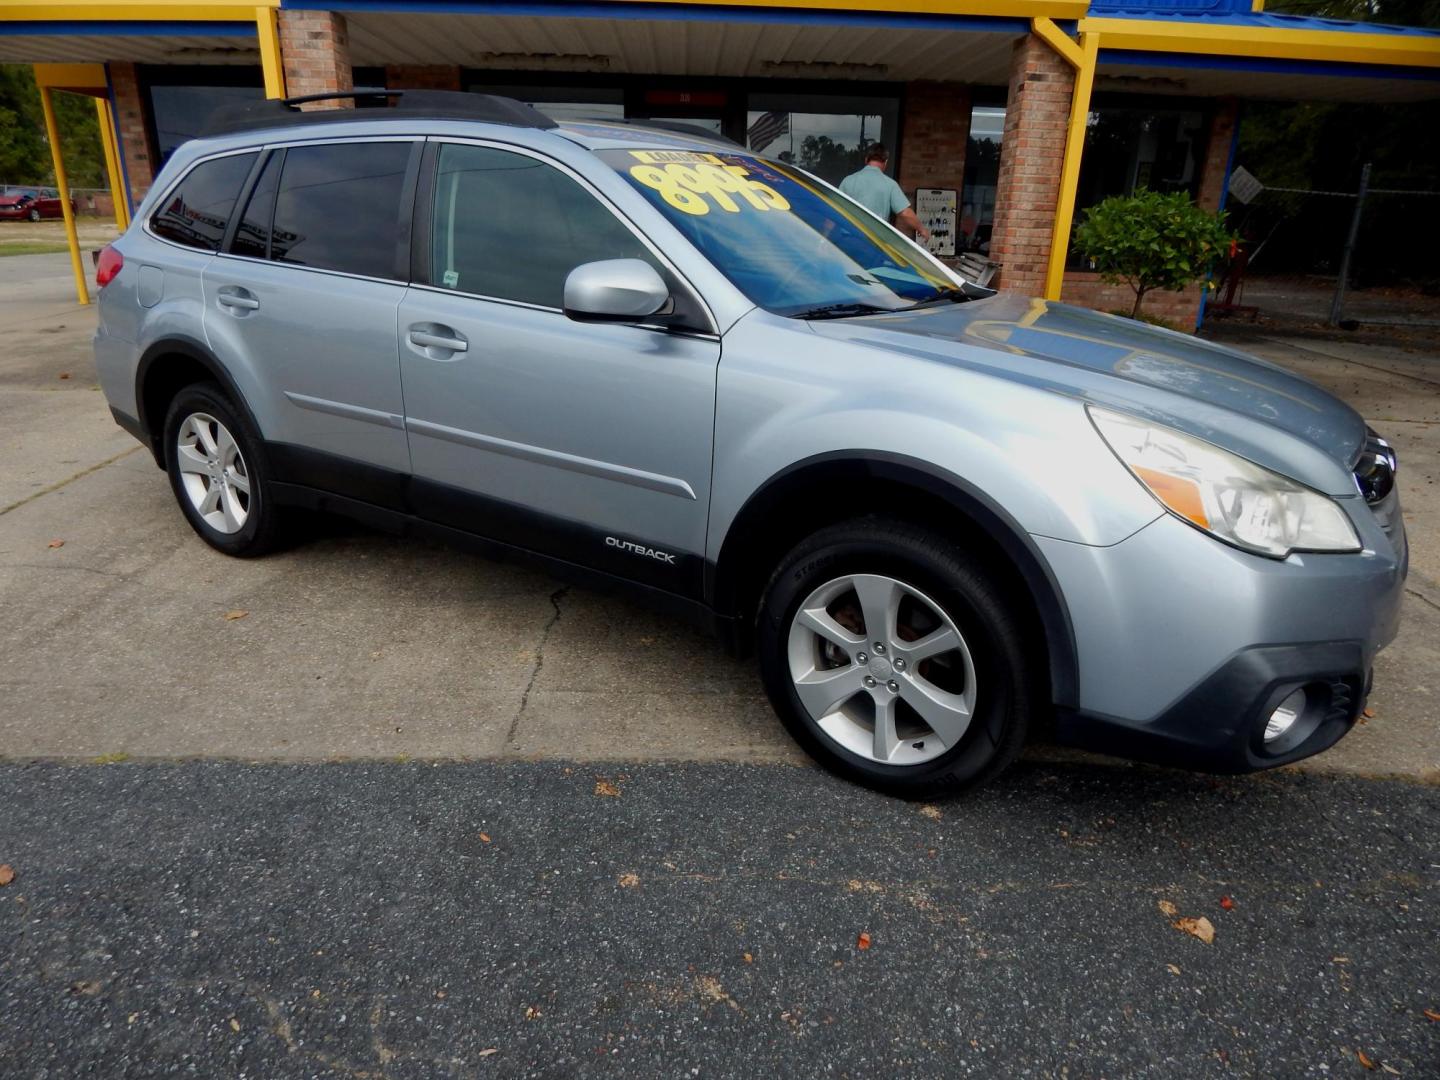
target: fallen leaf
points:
(629, 881)
(440, 994)
(88, 987)
(1227, 903)
(487, 1052)
(1369, 714)
(749, 959)
(7, 875)
(1364, 1059)
(932, 812)
(1387, 1068)
(1430, 1014)
(531, 1013)
(234, 1024)
(56, 544)
(863, 941)
(605, 787)
(1167, 908)
(484, 837)
(132, 1018)
(1172, 969)
(231, 616)
(64, 374)
(1200, 928)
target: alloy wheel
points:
(213, 472)
(882, 669)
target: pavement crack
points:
(68, 480)
(1422, 598)
(555, 598)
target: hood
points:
(12, 200)
(1190, 384)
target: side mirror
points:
(615, 290)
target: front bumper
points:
(1186, 645)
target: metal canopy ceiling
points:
(666, 47)
(1276, 82)
(226, 48)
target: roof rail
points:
(407, 105)
(679, 127)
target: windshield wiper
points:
(840, 311)
(948, 292)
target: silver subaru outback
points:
(651, 359)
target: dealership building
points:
(1006, 117)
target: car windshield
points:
(789, 243)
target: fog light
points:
(1285, 715)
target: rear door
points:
(305, 300)
(587, 441)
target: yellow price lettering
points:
(689, 187)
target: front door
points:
(590, 442)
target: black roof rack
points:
(679, 127)
(408, 105)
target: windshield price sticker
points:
(690, 182)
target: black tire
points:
(261, 531)
(1009, 680)
(34, 215)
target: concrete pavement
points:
(359, 645)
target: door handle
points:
(445, 339)
(236, 298)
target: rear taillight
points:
(109, 265)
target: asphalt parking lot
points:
(347, 811)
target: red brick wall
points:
(935, 127)
(1031, 149)
(130, 119)
(1217, 153)
(315, 52)
(421, 77)
(1086, 289)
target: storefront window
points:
(982, 174)
(564, 102)
(823, 135)
(1129, 148)
(180, 112)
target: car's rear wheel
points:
(218, 472)
(896, 659)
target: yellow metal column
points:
(268, 32)
(1070, 169)
(106, 120)
(52, 132)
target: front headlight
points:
(1231, 498)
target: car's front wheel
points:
(896, 659)
(218, 471)
(34, 215)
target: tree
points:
(1151, 240)
(24, 153)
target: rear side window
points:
(511, 227)
(338, 207)
(197, 210)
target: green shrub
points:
(1152, 241)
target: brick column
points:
(422, 77)
(315, 52)
(1031, 152)
(140, 167)
(935, 129)
(1217, 153)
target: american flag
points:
(767, 129)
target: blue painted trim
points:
(596, 9)
(61, 28)
(119, 144)
(1323, 68)
(1267, 20)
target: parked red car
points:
(31, 206)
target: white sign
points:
(1243, 185)
(935, 207)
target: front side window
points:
(789, 243)
(508, 226)
(338, 207)
(197, 210)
